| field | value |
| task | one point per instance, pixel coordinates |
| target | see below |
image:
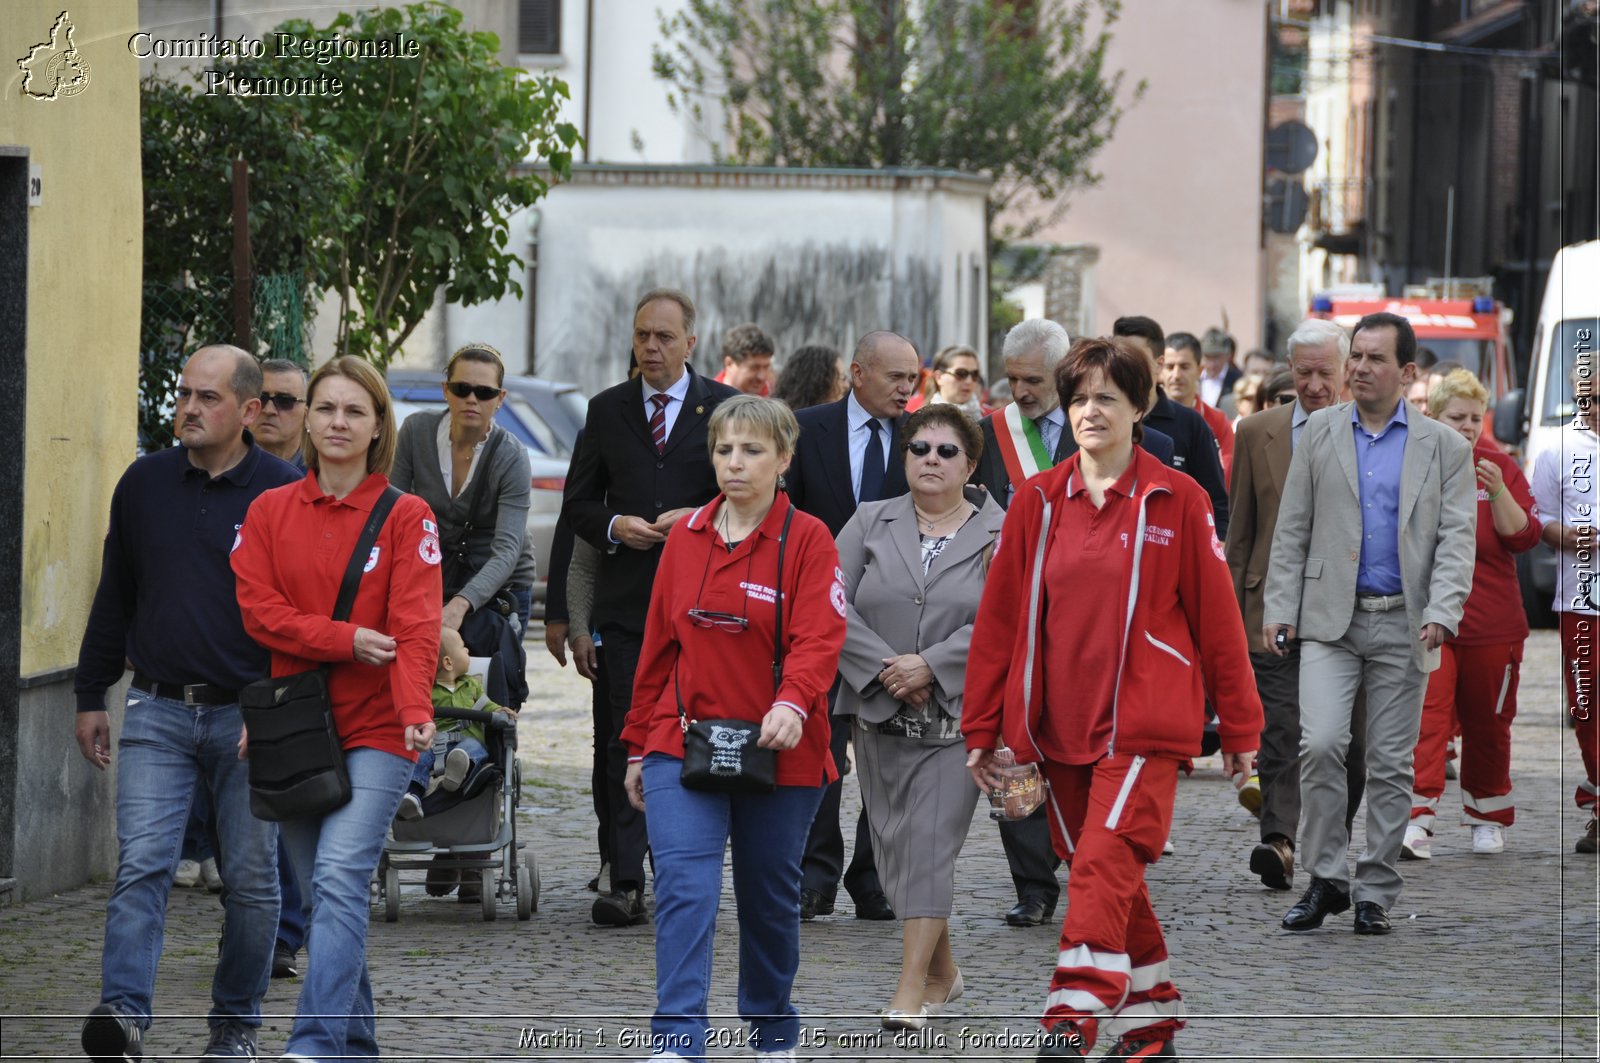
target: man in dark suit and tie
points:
(643, 465)
(1262, 450)
(849, 453)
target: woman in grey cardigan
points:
(913, 573)
(438, 458)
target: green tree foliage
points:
(1017, 88)
(433, 143)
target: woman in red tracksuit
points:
(709, 645)
(1109, 533)
(1478, 669)
(289, 559)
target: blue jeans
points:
(448, 740)
(688, 832)
(165, 752)
(333, 858)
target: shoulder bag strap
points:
(358, 559)
(777, 598)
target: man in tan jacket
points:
(1263, 447)
(1371, 564)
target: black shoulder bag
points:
(296, 762)
(722, 755)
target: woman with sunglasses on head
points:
(954, 379)
(1107, 622)
(483, 526)
(712, 651)
(913, 569)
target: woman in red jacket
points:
(289, 558)
(1477, 673)
(1109, 525)
(709, 645)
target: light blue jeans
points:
(167, 750)
(333, 857)
(688, 831)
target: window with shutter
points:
(539, 27)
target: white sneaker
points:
(456, 766)
(410, 807)
(1488, 838)
(210, 875)
(1166, 846)
(187, 875)
(1418, 844)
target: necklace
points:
(931, 522)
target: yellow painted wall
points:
(84, 263)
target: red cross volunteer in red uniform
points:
(1111, 524)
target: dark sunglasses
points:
(920, 448)
(1285, 399)
(482, 392)
(966, 374)
(721, 621)
(283, 402)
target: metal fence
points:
(175, 321)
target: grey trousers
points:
(1374, 652)
(1278, 760)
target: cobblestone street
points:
(1492, 957)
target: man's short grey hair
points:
(283, 365)
(1314, 332)
(1037, 334)
(673, 295)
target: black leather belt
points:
(188, 693)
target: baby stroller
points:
(475, 837)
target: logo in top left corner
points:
(55, 69)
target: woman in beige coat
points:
(913, 570)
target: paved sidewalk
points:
(1492, 957)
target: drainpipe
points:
(530, 295)
(588, 75)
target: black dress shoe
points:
(619, 908)
(1319, 901)
(283, 962)
(1030, 911)
(813, 904)
(874, 906)
(1371, 918)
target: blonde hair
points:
(1460, 384)
(766, 416)
(380, 454)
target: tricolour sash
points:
(1021, 445)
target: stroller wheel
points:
(532, 867)
(524, 893)
(391, 895)
(488, 888)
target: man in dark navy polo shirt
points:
(166, 602)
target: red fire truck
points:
(1458, 319)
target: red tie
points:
(658, 421)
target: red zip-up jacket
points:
(1178, 635)
(1493, 613)
(289, 558)
(728, 675)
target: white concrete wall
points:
(810, 257)
(1177, 217)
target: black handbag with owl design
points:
(722, 755)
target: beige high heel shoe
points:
(957, 987)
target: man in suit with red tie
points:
(1262, 450)
(849, 453)
(644, 465)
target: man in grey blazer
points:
(1370, 567)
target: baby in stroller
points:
(460, 742)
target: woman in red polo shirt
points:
(1478, 667)
(709, 645)
(1109, 533)
(289, 559)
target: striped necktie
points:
(658, 421)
